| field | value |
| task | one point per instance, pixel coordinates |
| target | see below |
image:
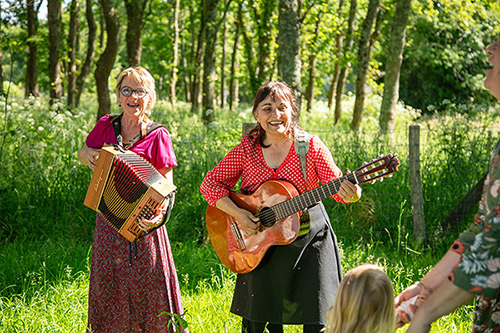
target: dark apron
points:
(295, 283)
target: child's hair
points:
(364, 303)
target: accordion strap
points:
(116, 121)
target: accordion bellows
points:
(124, 187)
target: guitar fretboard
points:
(305, 200)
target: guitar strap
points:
(302, 139)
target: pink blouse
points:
(155, 147)
(246, 161)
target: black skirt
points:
(294, 283)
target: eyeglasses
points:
(139, 92)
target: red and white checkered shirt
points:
(246, 161)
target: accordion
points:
(125, 187)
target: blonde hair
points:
(364, 303)
(145, 79)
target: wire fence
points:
(453, 158)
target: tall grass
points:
(46, 232)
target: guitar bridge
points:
(237, 235)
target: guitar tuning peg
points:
(373, 181)
(381, 179)
(391, 175)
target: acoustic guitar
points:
(279, 207)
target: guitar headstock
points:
(379, 168)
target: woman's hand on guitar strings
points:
(248, 222)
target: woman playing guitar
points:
(294, 283)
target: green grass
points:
(50, 286)
(46, 232)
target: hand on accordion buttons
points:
(155, 220)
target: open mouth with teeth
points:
(275, 123)
(133, 105)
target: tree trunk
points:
(223, 68)
(53, 21)
(312, 66)
(89, 58)
(136, 12)
(393, 66)
(74, 27)
(344, 69)
(249, 55)
(102, 25)
(339, 41)
(197, 68)
(289, 65)
(175, 57)
(233, 83)
(209, 60)
(2, 92)
(107, 59)
(31, 79)
(265, 46)
(364, 53)
(185, 75)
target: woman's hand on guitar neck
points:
(248, 222)
(349, 192)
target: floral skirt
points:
(133, 286)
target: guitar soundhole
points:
(267, 217)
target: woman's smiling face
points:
(274, 114)
(133, 106)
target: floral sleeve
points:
(479, 269)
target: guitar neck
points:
(310, 198)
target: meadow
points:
(46, 232)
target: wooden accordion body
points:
(124, 187)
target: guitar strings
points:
(270, 216)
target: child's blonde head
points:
(364, 303)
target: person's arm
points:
(423, 288)
(442, 301)
(88, 156)
(432, 280)
(248, 222)
(327, 171)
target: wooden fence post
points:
(417, 202)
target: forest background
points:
(364, 70)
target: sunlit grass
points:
(47, 232)
(53, 296)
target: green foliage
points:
(47, 232)
(42, 180)
(444, 57)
